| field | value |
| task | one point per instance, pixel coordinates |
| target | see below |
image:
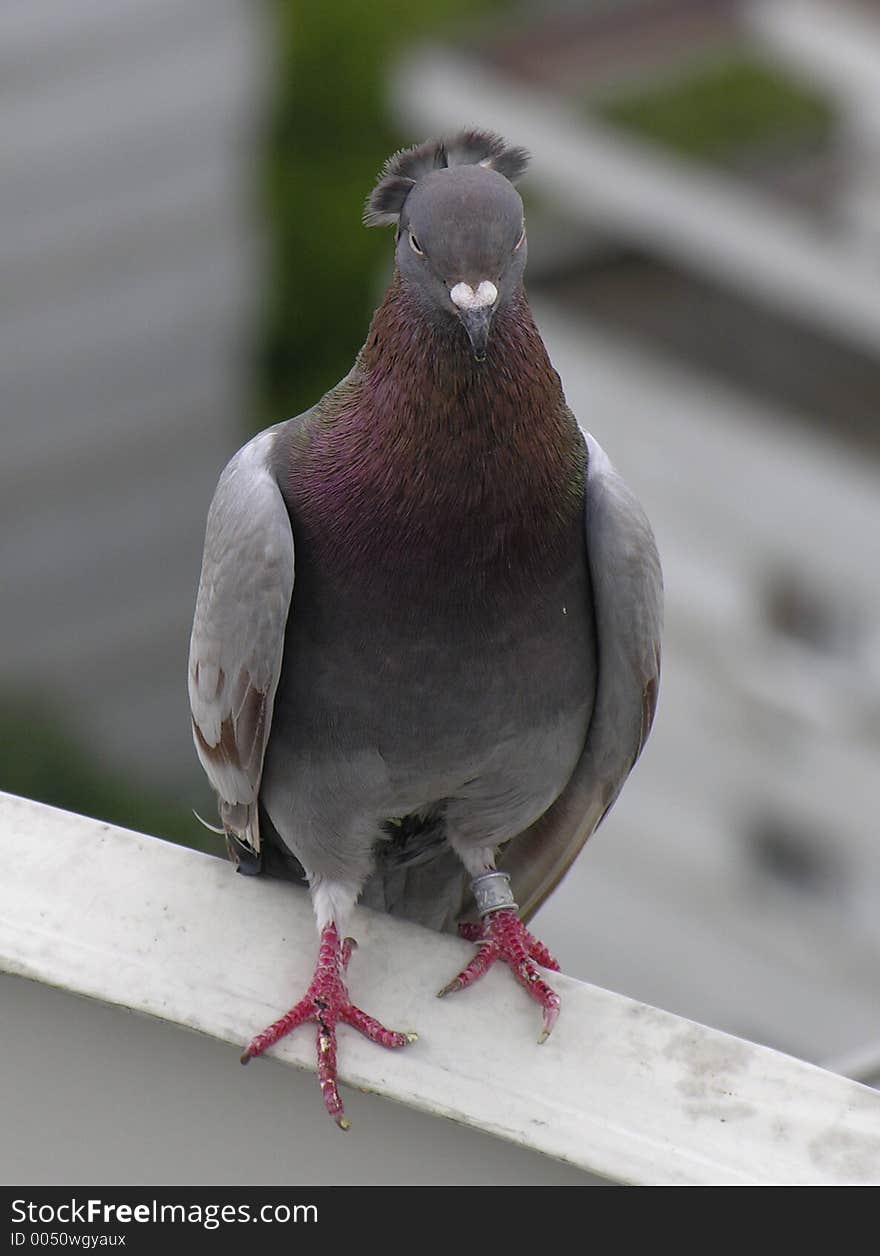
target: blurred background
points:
(182, 262)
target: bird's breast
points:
(440, 638)
(430, 670)
(417, 512)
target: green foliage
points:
(717, 113)
(42, 759)
(327, 139)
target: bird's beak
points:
(475, 309)
(476, 324)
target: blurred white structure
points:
(127, 277)
(837, 43)
(737, 880)
(637, 194)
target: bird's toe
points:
(502, 935)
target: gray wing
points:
(237, 639)
(627, 589)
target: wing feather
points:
(627, 586)
(237, 640)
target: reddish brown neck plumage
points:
(428, 465)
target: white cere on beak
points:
(464, 296)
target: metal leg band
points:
(492, 892)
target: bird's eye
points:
(415, 246)
(521, 241)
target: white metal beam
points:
(625, 1091)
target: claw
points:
(481, 962)
(551, 1016)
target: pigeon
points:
(426, 646)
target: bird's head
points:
(461, 239)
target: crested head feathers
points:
(402, 172)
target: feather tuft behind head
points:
(402, 172)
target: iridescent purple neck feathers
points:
(425, 466)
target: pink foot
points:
(502, 935)
(326, 1002)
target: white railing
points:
(622, 1090)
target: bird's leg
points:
(502, 935)
(326, 1002)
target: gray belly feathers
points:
(385, 742)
